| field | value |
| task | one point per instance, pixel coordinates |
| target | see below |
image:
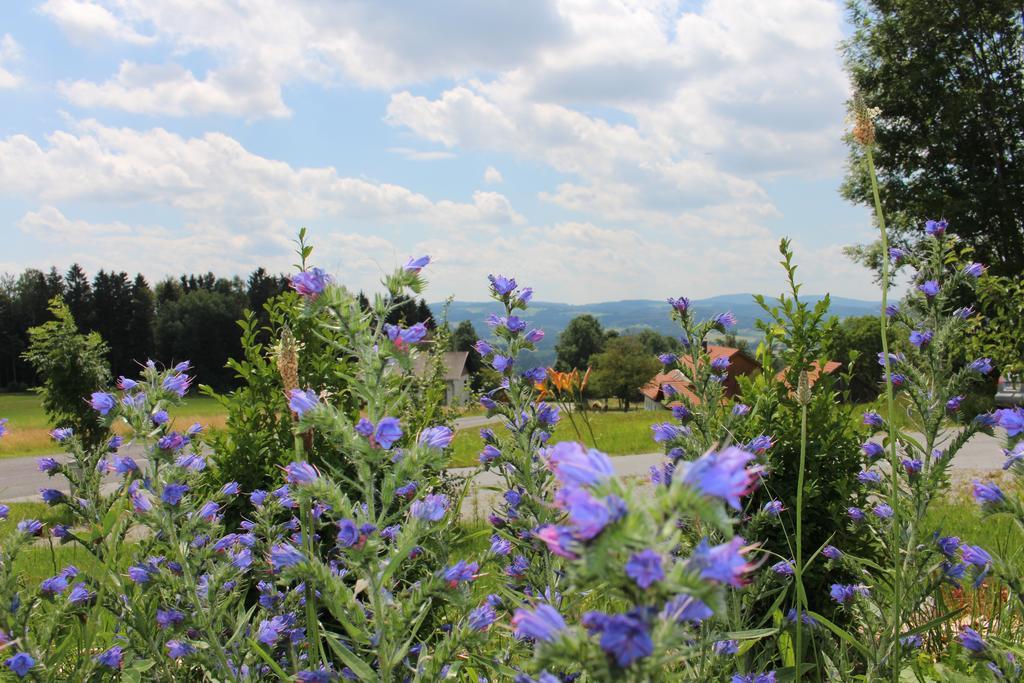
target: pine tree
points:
(78, 296)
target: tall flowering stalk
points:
(526, 481)
(917, 472)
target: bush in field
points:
(71, 365)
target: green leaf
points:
(358, 666)
(843, 635)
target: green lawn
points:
(616, 433)
(29, 429)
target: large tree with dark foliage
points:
(582, 338)
(947, 79)
(112, 315)
(201, 326)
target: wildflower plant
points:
(909, 471)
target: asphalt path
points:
(20, 478)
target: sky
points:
(595, 149)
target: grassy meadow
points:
(30, 430)
(615, 433)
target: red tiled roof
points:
(814, 373)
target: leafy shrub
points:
(71, 365)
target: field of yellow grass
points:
(29, 430)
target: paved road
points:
(20, 478)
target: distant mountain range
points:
(635, 315)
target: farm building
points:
(739, 364)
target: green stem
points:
(894, 463)
(800, 597)
(306, 520)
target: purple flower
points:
(258, 497)
(559, 540)
(975, 555)
(974, 270)
(407, 491)
(51, 496)
(855, 513)
(20, 664)
(111, 658)
(964, 313)
(49, 465)
(177, 649)
(525, 294)
(534, 336)
(389, 430)
(459, 572)
(30, 527)
(783, 568)
(173, 492)
(168, 618)
(547, 414)
(667, 358)
(892, 310)
(124, 465)
(911, 642)
(415, 265)
(285, 555)
(80, 595)
(348, 533)
(544, 623)
(971, 640)
(682, 304)
(645, 568)
(140, 574)
(724, 320)
(102, 402)
(930, 288)
(482, 617)
(482, 347)
(302, 402)
(501, 363)
(753, 678)
(936, 228)
(489, 454)
(723, 474)
(948, 545)
(501, 285)
(726, 647)
(310, 283)
(843, 593)
(759, 444)
(431, 508)
(270, 630)
(5, 510)
(626, 638)
(921, 338)
(740, 410)
(981, 365)
(832, 552)
(882, 511)
(666, 431)
(574, 465)
(588, 515)
(686, 608)
(177, 384)
(873, 419)
(62, 434)
(988, 495)
(1010, 419)
(720, 364)
(403, 338)
(873, 450)
(724, 563)
(895, 254)
(300, 473)
(55, 585)
(953, 404)
(912, 466)
(231, 488)
(436, 437)
(773, 508)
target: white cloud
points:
(171, 90)
(86, 21)
(10, 52)
(210, 193)
(492, 176)
(421, 154)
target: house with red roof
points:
(739, 364)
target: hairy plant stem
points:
(801, 598)
(306, 520)
(894, 462)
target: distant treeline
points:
(191, 317)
